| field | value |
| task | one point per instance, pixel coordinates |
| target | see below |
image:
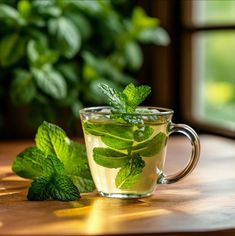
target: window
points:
(208, 66)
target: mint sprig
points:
(57, 165)
(125, 103)
(53, 183)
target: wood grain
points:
(201, 204)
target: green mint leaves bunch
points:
(124, 103)
(57, 165)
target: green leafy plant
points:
(128, 140)
(54, 53)
(57, 165)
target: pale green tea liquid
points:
(104, 178)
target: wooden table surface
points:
(200, 204)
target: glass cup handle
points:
(194, 140)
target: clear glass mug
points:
(127, 160)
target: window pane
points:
(213, 12)
(214, 77)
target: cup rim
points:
(163, 111)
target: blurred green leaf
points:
(22, 89)
(70, 71)
(24, 8)
(67, 37)
(8, 12)
(133, 53)
(50, 81)
(39, 55)
(100, 67)
(76, 107)
(81, 23)
(88, 7)
(69, 47)
(12, 48)
(141, 20)
(47, 8)
(155, 35)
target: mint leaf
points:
(109, 158)
(52, 165)
(132, 119)
(143, 133)
(124, 132)
(83, 184)
(125, 103)
(135, 96)
(116, 99)
(54, 183)
(152, 146)
(129, 174)
(116, 143)
(76, 166)
(58, 166)
(52, 139)
(29, 163)
(62, 188)
(38, 189)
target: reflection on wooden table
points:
(198, 205)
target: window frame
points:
(187, 31)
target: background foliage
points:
(55, 52)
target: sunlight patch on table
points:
(7, 193)
(71, 212)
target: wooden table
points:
(201, 204)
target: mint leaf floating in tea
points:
(110, 158)
(152, 146)
(129, 174)
(143, 133)
(57, 165)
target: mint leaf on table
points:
(109, 158)
(38, 189)
(129, 174)
(152, 146)
(58, 166)
(53, 183)
(29, 163)
(52, 139)
(62, 188)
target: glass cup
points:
(126, 152)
